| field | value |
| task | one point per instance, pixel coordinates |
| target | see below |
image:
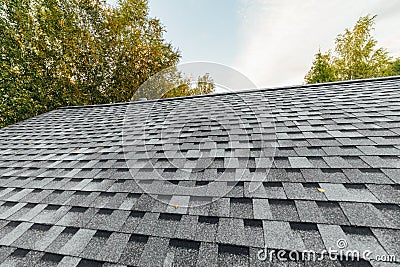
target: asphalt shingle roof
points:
(206, 181)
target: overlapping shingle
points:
(205, 181)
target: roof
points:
(206, 181)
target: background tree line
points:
(355, 56)
(77, 52)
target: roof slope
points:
(168, 182)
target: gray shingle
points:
(393, 174)
(184, 252)
(114, 247)
(283, 210)
(5, 252)
(274, 190)
(333, 213)
(7, 213)
(187, 227)
(309, 212)
(376, 162)
(166, 225)
(96, 244)
(68, 261)
(133, 250)
(18, 231)
(78, 242)
(230, 231)
(365, 214)
(314, 176)
(208, 255)
(262, 209)
(154, 252)
(331, 234)
(61, 239)
(310, 235)
(295, 191)
(337, 162)
(206, 228)
(253, 233)
(364, 240)
(220, 207)
(361, 193)
(108, 219)
(279, 235)
(199, 206)
(337, 192)
(229, 255)
(48, 238)
(385, 193)
(178, 204)
(77, 217)
(28, 239)
(362, 176)
(50, 214)
(74, 193)
(389, 239)
(147, 223)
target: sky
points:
(272, 42)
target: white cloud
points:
(280, 37)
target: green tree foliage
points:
(322, 69)
(186, 86)
(355, 56)
(76, 52)
(395, 68)
(172, 83)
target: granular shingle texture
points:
(206, 181)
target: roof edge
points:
(239, 92)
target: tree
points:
(185, 86)
(395, 68)
(136, 44)
(205, 85)
(171, 83)
(322, 69)
(76, 52)
(355, 56)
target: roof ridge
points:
(240, 92)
